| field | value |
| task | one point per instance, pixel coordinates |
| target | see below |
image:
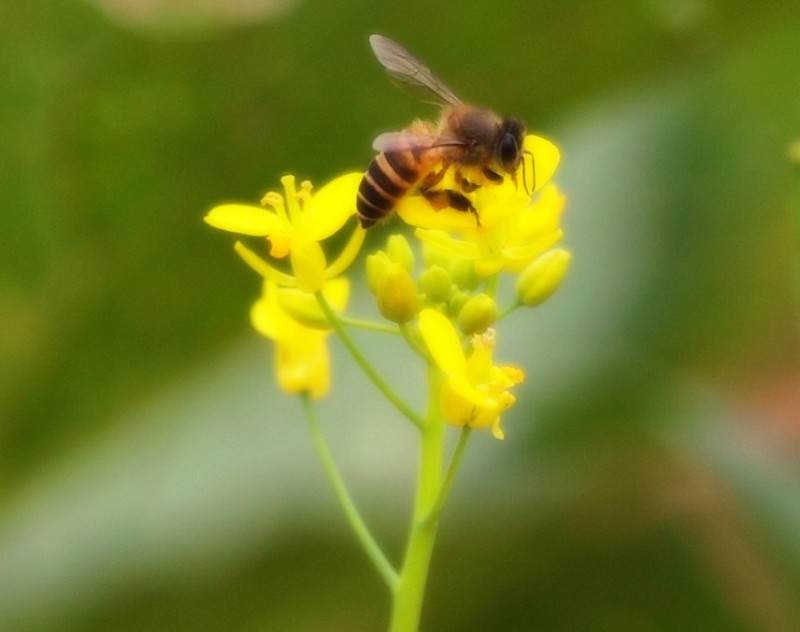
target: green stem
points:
(365, 365)
(410, 589)
(450, 475)
(506, 311)
(369, 325)
(413, 341)
(371, 547)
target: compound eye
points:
(509, 152)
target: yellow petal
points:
(308, 265)
(267, 317)
(331, 207)
(447, 244)
(348, 253)
(456, 410)
(302, 364)
(244, 219)
(546, 157)
(262, 267)
(482, 400)
(442, 341)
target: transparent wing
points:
(408, 140)
(410, 72)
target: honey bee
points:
(476, 142)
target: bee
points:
(479, 145)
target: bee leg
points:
(465, 185)
(442, 198)
(492, 176)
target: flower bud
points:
(397, 294)
(462, 271)
(477, 315)
(542, 277)
(377, 264)
(458, 299)
(399, 251)
(435, 283)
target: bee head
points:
(509, 144)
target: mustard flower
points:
(512, 231)
(295, 224)
(293, 320)
(475, 392)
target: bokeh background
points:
(152, 478)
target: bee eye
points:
(509, 152)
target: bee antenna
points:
(525, 172)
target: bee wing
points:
(408, 140)
(408, 71)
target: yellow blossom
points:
(476, 391)
(295, 224)
(512, 231)
(302, 360)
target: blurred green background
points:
(151, 477)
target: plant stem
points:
(410, 588)
(371, 547)
(369, 325)
(365, 365)
(450, 475)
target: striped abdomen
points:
(389, 177)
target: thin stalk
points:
(410, 589)
(369, 325)
(506, 311)
(450, 474)
(365, 365)
(368, 542)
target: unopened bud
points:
(435, 283)
(377, 264)
(399, 251)
(542, 277)
(397, 294)
(477, 315)
(462, 271)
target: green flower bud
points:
(542, 277)
(397, 294)
(377, 264)
(477, 315)
(458, 299)
(462, 271)
(435, 283)
(399, 251)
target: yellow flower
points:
(476, 391)
(294, 224)
(302, 360)
(512, 230)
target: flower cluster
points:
(442, 294)
(295, 225)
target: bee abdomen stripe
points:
(402, 166)
(388, 182)
(375, 198)
(368, 213)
